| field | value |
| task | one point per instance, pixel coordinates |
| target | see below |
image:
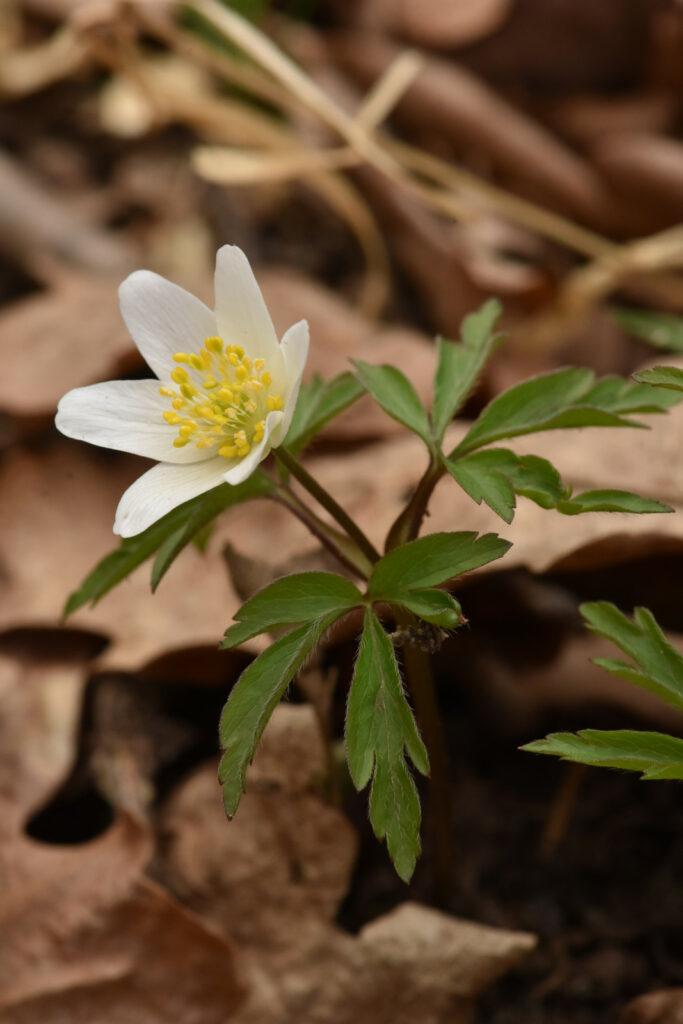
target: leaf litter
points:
(167, 913)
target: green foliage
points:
(204, 510)
(659, 665)
(168, 536)
(460, 363)
(663, 330)
(380, 731)
(434, 606)
(662, 377)
(253, 700)
(318, 403)
(393, 391)
(431, 560)
(303, 597)
(563, 399)
(655, 754)
(655, 666)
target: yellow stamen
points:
(214, 344)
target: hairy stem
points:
(325, 499)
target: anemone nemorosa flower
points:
(224, 397)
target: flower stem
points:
(342, 547)
(324, 498)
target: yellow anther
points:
(266, 379)
(259, 364)
(178, 403)
(258, 437)
(233, 358)
(240, 437)
(205, 411)
(250, 406)
(196, 362)
(186, 430)
(167, 392)
(260, 426)
(231, 414)
(225, 395)
(180, 376)
(246, 362)
(180, 442)
(172, 417)
(244, 450)
(273, 402)
(238, 350)
(206, 442)
(229, 451)
(188, 391)
(255, 385)
(181, 357)
(240, 372)
(214, 344)
(210, 382)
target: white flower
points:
(224, 398)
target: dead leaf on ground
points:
(664, 1007)
(70, 495)
(287, 855)
(64, 338)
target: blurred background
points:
(386, 166)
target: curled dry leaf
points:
(663, 1007)
(647, 169)
(438, 23)
(287, 852)
(274, 879)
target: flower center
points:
(221, 399)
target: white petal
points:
(242, 315)
(246, 466)
(126, 415)
(294, 346)
(162, 488)
(163, 319)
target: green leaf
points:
(302, 597)
(609, 501)
(431, 560)
(205, 508)
(253, 700)
(320, 402)
(564, 399)
(642, 640)
(434, 606)
(655, 754)
(397, 396)
(380, 731)
(460, 363)
(663, 330)
(662, 377)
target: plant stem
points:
(325, 499)
(344, 550)
(439, 814)
(407, 525)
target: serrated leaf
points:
(485, 476)
(302, 597)
(655, 754)
(393, 391)
(318, 404)
(662, 377)
(660, 664)
(610, 501)
(206, 507)
(380, 731)
(663, 330)
(431, 560)
(565, 399)
(460, 363)
(253, 700)
(434, 606)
